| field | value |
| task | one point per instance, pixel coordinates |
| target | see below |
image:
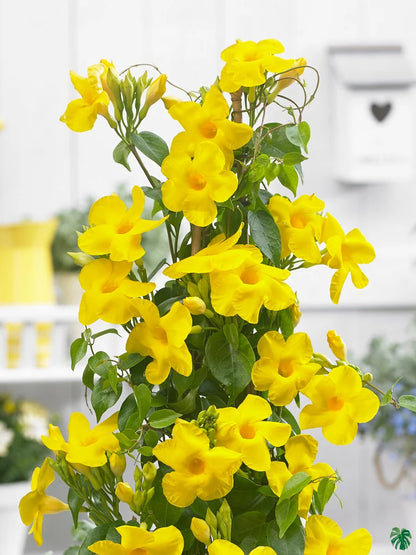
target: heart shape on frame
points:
(381, 111)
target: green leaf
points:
(249, 523)
(163, 418)
(286, 323)
(292, 543)
(153, 146)
(121, 154)
(103, 397)
(323, 493)
(100, 532)
(75, 504)
(230, 366)
(400, 538)
(128, 416)
(288, 177)
(294, 485)
(151, 438)
(78, 350)
(288, 417)
(408, 402)
(265, 234)
(88, 377)
(143, 399)
(293, 158)
(105, 332)
(286, 512)
(231, 334)
(299, 135)
(100, 364)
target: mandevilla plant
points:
(211, 361)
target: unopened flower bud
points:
(211, 520)
(117, 464)
(124, 492)
(224, 520)
(154, 93)
(149, 473)
(137, 502)
(288, 77)
(138, 477)
(80, 258)
(336, 345)
(200, 530)
(195, 305)
(368, 377)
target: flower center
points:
(109, 287)
(197, 181)
(208, 129)
(196, 466)
(249, 276)
(138, 551)
(335, 403)
(285, 368)
(332, 550)
(124, 227)
(247, 431)
(298, 221)
(160, 335)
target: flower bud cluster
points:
(207, 421)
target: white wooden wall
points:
(44, 167)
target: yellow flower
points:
(345, 252)
(80, 114)
(336, 345)
(243, 430)
(246, 63)
(221, 254)
(198, 470)
(116, 230)
(36, 503)
(299, 224)
(339, 402)
(284, 367)
(289, 77)
(224, 547)
(245, 289)
(135, 541)
(323, 535)
(85, 446)
(208, 122)
(163, 339)
(300, 454)
(195, 183)
(109, 294)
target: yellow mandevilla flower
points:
(80, 114)
(136, 541)
(345, 253)
(300, 454)
(208, 122)
(163, 339)
(324, 536)
(116, 230)
(284, 367)
(195, 183)
(198, 470)
(339, 403)
(85, 446)
(299, 224)
(246, 63)
(224, 547)
(109, 293)
(36, 503)
(243, 430)
(289, 77)
(243, 290)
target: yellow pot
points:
(26, 275)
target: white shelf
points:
(54, 374)
(38, 313)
